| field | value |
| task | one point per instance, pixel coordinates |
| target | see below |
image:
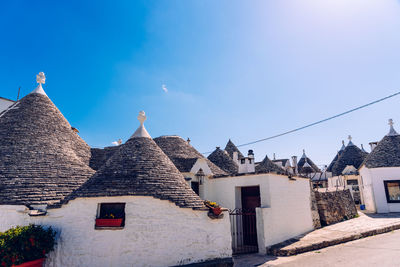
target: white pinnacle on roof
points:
(343, 146)
(40, 79)
(304, 154)
(141, 131)
(392, 131)
(350, 143)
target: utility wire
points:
(317, 122)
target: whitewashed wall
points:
(156, 233)
(375, 196)
(4, 104)
(289, 213)
(285, 204)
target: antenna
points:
(19, 90)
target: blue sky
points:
(233, 69)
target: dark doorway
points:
(195, 187)
(250, 201)
(251, 198)
(244, 221)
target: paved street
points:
(364, 225)
(381, 250)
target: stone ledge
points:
(278, 249)
(225, 262)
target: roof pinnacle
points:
(350, 142)
(141, 131)
(141, 117)
(304, 154)
(40, 79)
(392, 131)
(343, 146)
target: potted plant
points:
(109, 220)
(26, 246)
(213, 206)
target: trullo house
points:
(136, 210)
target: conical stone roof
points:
(222, 160)
(267, 166)
(183, 155)
(303, 160)
(230, 148)
(140, 168)
(329, 169)
(387, 152)
(42, 159)
(351, 156)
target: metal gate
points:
(244, 231)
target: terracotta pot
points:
(35, 263)
(217, 211)
(108, 222)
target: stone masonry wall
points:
(335, 206)
(314, 211)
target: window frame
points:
(385, 182)
(99, 212)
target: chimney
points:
(235, 157)
(188, 140)
(250, 154)
(373, 145)
(294, 162)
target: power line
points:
(317, 122)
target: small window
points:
(392, 189)
(352, 182)
(243, 161)
(249, 161)
(110, 215)
(195, 187)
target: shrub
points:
(25, 243)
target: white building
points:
(263, 202)
(136, 210)
(380, 174)
(5, 103)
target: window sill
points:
(109, 227)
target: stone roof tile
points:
(42, 159)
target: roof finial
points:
(304, 154)
(343, 146)
(274, 157)
(350, 142)
(141, 131)
(392, 131)
(141, 117)
(40, 79)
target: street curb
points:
(278, 249)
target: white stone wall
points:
(289, 213)
(285, 204)
(375, 196)
(156, 233)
